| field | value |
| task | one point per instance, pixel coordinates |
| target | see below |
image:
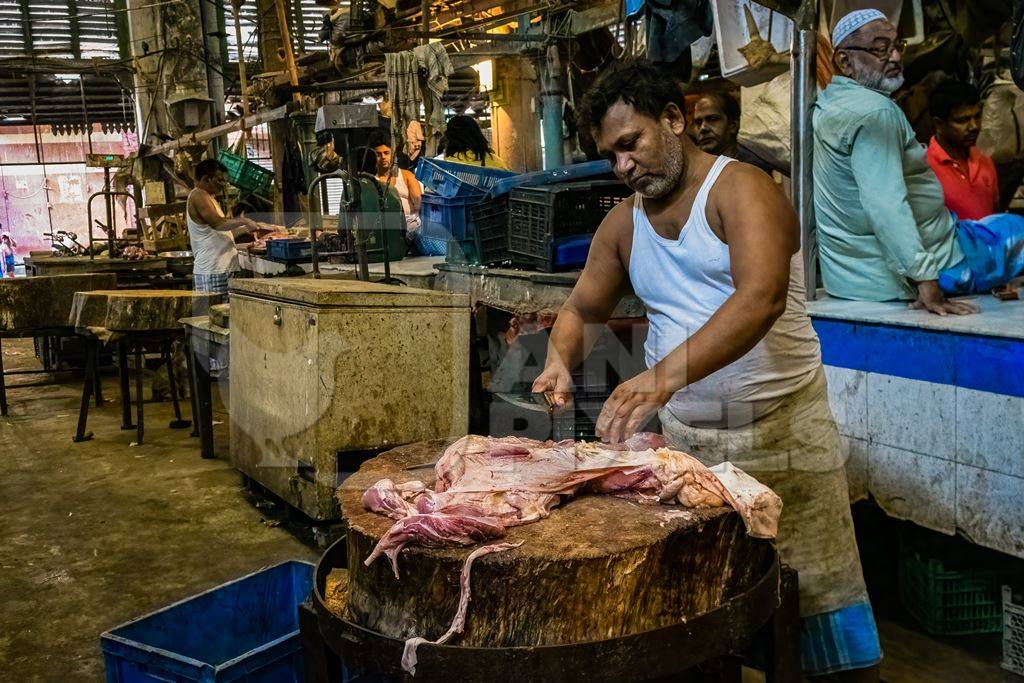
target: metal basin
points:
(178, 262)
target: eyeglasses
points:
(883, 53)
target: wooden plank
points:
(265, 116)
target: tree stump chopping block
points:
(139, 310)
(44, 301)
(598, 567)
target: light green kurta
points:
(879, 207)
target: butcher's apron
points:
(795, 451)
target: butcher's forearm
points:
(568, 336)
(572, 338)
(740, 323)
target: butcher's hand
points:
(931, 298)
(556, 385)
(631, 405)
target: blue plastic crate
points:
(452, 179)
(572, 252)
(447, 218)
(562, 174)
(289, 249)
(431, 246)
(244, 630)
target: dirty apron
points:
(794, 450)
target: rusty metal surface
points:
(520, 291)
(726, 630)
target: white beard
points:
(877, 80)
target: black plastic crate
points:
(490, 221)
(539, 218)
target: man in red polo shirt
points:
(968, 177)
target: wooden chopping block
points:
(45, 301)
(139, 310)
(597, 568)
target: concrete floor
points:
(97, 533)
(100, 532)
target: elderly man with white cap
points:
(884, 231)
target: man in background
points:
(884, 232)
(716, 127)
(968, 177)
(211, 234)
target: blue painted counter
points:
(931, 411)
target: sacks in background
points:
(1002, 123)
(764, 120)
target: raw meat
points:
(409, 654)
(485, 485)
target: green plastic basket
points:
(245, 175)
(947, 601)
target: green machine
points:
(375, 218)
(371, 225)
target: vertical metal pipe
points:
(803, 96)
(552, 99)
(425, 16)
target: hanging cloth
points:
(400, 70)
(673, 25)
(432, 60)
(415, 77)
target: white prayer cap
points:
(853, 21)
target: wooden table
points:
(134, 320)
(40, 307)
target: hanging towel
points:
(401, 74)
(432, 60)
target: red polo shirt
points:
(971, 192)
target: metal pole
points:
(425, 18)
(552, 99)
(109, 202)
(803, 96)
(214, 67)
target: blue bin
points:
(447, 218)
(244, 630)
(562, 174)
(289, 249)
(454, 179)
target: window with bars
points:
(59, 28)
(305, 19)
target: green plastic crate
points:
(246, 175)
(950, 601)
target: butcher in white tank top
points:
(711, 247)
(211, 234)
(682, 283)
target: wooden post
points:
(235, 7)
(286, 44)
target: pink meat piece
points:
(459, 622)
(385, 498)
(436, 529)
(511, 481)
(451, 465)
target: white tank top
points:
(682, 283)
(213, 251)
